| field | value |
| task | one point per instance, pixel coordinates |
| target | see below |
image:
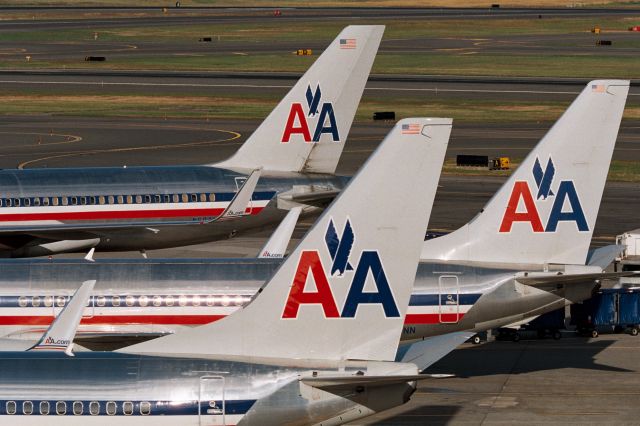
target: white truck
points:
(630, 257)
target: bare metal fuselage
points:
(136, 208)
(104, 388)
(156, 297)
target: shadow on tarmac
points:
(436, 415)
(524, 357)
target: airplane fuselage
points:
(107, 388)
(135, 208)
(157, 297)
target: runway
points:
(223, 44)
(214, 22)
(277, 84)
(513, 45)
(217, 15)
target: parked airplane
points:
(503, 278)
(60, 334)
(265, 365)
(45, 211)
(527, 251)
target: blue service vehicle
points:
(615, 309)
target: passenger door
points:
(449, 299)
(211, 411)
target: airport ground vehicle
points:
(608, 310)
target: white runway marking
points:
(124, 83)
(273, 86)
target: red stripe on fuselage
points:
(418, 319)
(118, 214)
(116, 319)
(410, 319)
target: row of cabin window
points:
(100, 301)
(105, 200)
(111, 408)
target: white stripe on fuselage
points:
(120, 420)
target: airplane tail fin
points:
(306, 132)
(344, 291)
(547, 209)
(59, 336)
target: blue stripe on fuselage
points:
(157, 408)
(436, 299)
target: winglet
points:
(344, 291)
(59, 336)
(279, 240)
(241, 201)
(89, 256)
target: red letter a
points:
(521, 190)
(290, 128)
(310, 261)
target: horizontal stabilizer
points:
(313, 198)
(427, 352)
(333, 383)
(543, 279)
(604, 256)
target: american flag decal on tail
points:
(598, 88)
(347, 43)
(410, 129)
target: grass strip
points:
(139, 105)
(330, 3)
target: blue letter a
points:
(567, 190)
(370, 261)
(327, 110)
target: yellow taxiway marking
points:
(234, 135)
(70, 139)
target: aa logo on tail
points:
(301, 123)
(310, 266)
(566, 202)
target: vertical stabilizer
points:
(344, 291)
(547, 209)
(306, 132)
